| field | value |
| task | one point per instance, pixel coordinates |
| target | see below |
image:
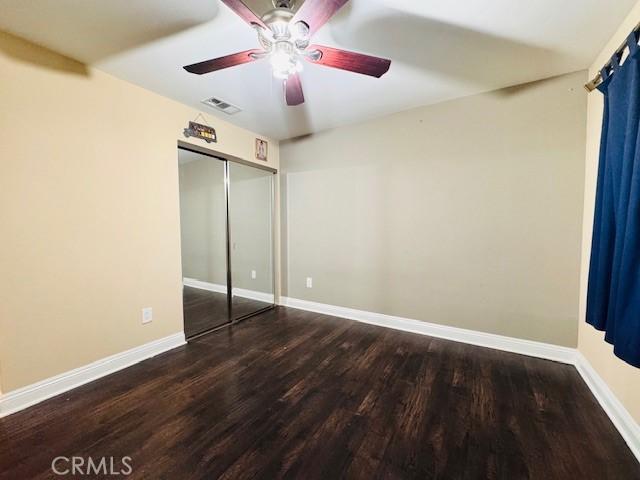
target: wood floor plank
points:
(292, 394)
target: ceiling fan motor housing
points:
(282, 30)
(278, 22)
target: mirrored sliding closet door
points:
(203, 233)
(250, 221)
(226, 227)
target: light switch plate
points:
(309, 282)
(253, 274)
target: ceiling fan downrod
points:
(288, 4)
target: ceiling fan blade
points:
(315, 13)
(293, 90)
(244, 12)
(351, 61)
(223, 62)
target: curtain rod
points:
(593, 84)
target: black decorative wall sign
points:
(204, 132)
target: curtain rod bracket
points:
(593, 84)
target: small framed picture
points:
(261, 149)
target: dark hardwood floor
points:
(204, 310)
(300, 395)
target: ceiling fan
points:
(285, 40)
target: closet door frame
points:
(182, 145)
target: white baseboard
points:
(22, 398)
(236, 292)
(253, 295)
(211, 287)
(619, 415)
(498, 342)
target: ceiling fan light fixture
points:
(284, 60)
(299, 32)
(280, 29)
(284, 36)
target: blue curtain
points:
(613, 298)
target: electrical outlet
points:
(147, 315)
(253, 274)
(309, 282)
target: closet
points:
(226, 231)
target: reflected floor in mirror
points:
(204, 310)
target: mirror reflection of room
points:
(250, 220)
(203, 236)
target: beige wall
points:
(623, 379)
(467, 213)
(89, 212)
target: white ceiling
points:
(440, 50)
